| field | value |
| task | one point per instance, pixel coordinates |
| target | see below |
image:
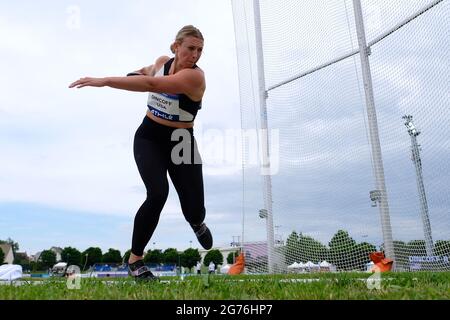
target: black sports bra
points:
(172, 107)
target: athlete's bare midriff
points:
(172, 124)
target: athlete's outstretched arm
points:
(184, 81)
(136, 83)
(133, 85)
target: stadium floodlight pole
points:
(264, 138)
(364, 52)
(415, 157)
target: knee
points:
(157, 197)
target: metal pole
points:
(265, 165)
(413, 132)
(373, 130)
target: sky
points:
(68, 172)
(68, 176)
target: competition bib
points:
(164, 106)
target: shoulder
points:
(195, 75)
(199, 70)
(160, 62)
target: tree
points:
(401, 255)
(301, 248)
(22, 260)
(2, 257)
(93, 256)
(232, 257)
(112, 256)
(214, 256)
(442, 248)
(154, 256)
(72, 256)
(36, 266)
(190, 257)
(417, 248)
(292, 248)
(171, 256)
(342, 251)
(312, 250)
(363, 250)
(47, 258)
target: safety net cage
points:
(345, 134)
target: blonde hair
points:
(186, 31)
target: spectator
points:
(198, 267)
(211, 267)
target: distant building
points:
(35, 257)
(9, 254)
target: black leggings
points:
(152, 152)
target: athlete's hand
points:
(89, 82)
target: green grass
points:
(345, 286)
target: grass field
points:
(341, 286)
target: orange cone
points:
(238, 266)
(382, 264)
